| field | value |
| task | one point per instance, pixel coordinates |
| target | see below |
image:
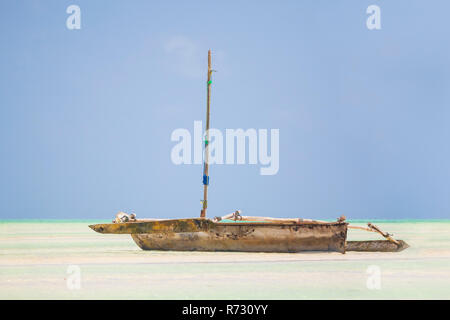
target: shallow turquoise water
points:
(36, 259)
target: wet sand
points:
(39, 260)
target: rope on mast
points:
(206, 165)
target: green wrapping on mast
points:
(206, 165)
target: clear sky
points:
(86, 115)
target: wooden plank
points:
(386, 235)
(376, 246)
(157, 226)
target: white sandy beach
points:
(35, 258)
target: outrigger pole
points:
(205, 164)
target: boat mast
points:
(205, 165)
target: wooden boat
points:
(207, 235)
(246, 234)
(235, 232)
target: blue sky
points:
(86, 115)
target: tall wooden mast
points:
(206, 165)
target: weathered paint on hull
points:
(376, 246)
(250, 237)
(277, 235)
(155, 226)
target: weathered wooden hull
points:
(250, 238)
(376, 246)
(205, 235)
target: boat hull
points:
(250, 237)
(276, 235)
(376, 246)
